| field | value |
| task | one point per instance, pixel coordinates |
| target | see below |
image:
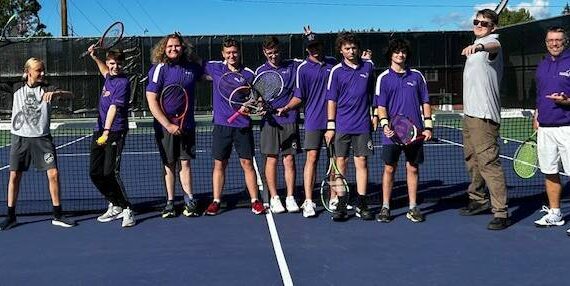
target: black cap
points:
(312, 39)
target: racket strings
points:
(526, 160)
(268, 86)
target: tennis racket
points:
(333, 184)
(18, 121)
(174, 104)
(269, 86)
(238, 93)
(21, 26)
(501, 6)
(110, 38)
(406, 132)
(525, 160)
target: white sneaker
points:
(309, 208)
(112, 213)
(128, 218)
(291, 205)
(276, 206)
(549, 219)
(332, 203)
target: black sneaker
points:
(474, 208)
(63, 222)
(8, 223)
(499, 223)
(191, 209)
(340, 213)
(384, 215)
(415, 215)
(363, 212)
(168, 211)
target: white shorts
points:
(553, 146)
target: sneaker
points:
(257, 207)
(309, 208)
(568, 232)
(213, 209)
(63, 222)
(8, 223)
(415, 215)
(363, 212)
(549, 219)
(128, 218)
(291, 205)
(340, 213)
(112, 213)
(474, 208)
(332, 203)
(191, 208)
(384, 215)
(169, 211)
(499, 223)
(275, 205)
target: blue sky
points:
(227, 17)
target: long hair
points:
(158, 54)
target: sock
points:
(12, 212)
(57, 211)
(556, 212)
(188, 198)
(361, 200)
(253, 200)
(217, 201)
(413, 205)
(386, 205)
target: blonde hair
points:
(31, 62)
(158, 54)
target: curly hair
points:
(158, 54)
(398, 45)
(347, 38)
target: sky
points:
(232, 17)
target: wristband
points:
(331, 125)
(428, 123)
(383, 122)
(106, 129)
(482, 47)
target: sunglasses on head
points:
(484, 24)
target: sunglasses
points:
(484, 24)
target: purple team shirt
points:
(185, 74)
(287, 70)
(222, 109)
(311, 88)
(352, 90)
(116, 91)
(553, 76)
(402, 94)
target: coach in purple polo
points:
(174, 63)
(552, 118)
(349, 91)
(238, 133)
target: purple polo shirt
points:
(287, 70)
(311, 88)
(352, 91)
(185, 74)
(402, 94)
(116, 91)
(222, 108)
(553, 76)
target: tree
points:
(509, 17)
(9, 7)
(566, 10)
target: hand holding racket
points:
(525, 160)
(174, 103)
(333, 183)
(403, 131)
(110, 38)
(21, 26)
(269, 86)
(238, 92)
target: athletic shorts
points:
(553, 147)
(224, 137)
(361, 144)
(314, 139)
(282, 139)
(173, 148)
(414, 153)
(36, 151)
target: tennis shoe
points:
(112, 213)
(384, 215)
(63, 222)
(340, 213)
(213, 209)
(128, 218)
(333, 202)
(549, 219)
(309, 208)
(291, 205)
(474, 208)
(568, 232)
(257, 207)
(8, 223)
(191, 208)
(275, 205)
(363, 212)
(169, 211)
(415, 215)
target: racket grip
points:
(83, 54)
(233, 117)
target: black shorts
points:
(173, 148)
(224, 137)
(414, 153)
(362, 145)
(314, 139)
(282, 139)
(39, 151)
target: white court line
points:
(279, 255)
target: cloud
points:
(539, 9)
(451, 18)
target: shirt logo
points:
(105, 92)
(364, 75)
(411, 83)
(285, 72)
(49, 158)
(565, 73)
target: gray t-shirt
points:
(30, 114)
(481, 81)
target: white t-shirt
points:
(30, 114)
